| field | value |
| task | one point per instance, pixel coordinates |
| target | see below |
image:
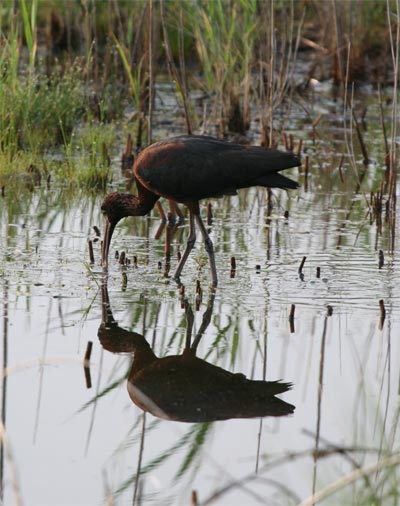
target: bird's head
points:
(116, 206)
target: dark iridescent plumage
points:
(190, 168)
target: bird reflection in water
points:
(184, 387)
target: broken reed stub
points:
(381, 259)
(199, 297)
(340, 168)
(182, 295)
(209, 213)
(306, 165)
(318, 272)
(299, 147)
(91, 255)
(303, 260)
(124, 281)
(86, 364)
(122, 258)
(383, 314)
(233, 267)
(291, 318)
(88, 353)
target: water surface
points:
(66, 443)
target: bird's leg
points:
(209, 248)
(189, 325)
(205, 321)
(167, 243)
(189, 246)
(161, 212)
(175, 209)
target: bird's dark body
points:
(191, 168)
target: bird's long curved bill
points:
(108, 232)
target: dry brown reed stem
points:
(395, 48)
(151, 72)
(338, 73)
(358, 131)
(276, 66)
(91, 255)
(388, 462)
(96, 231)
(181, 87)
(318, 274)
(194, 498)
(271, 73)
(320, 390)
(122, 258)
(134, 261)
(291, 318)
(13, 481)
(302, 264)
(315, 123)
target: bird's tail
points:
(276, 180)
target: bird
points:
(187, 169)
(184, 387)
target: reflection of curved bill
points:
(184, 387)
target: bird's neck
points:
(143, 203)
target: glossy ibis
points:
(185, 387)
(190, 168)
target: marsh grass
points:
(63, 68)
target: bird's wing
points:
(192, 168)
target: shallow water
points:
(66, 443)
